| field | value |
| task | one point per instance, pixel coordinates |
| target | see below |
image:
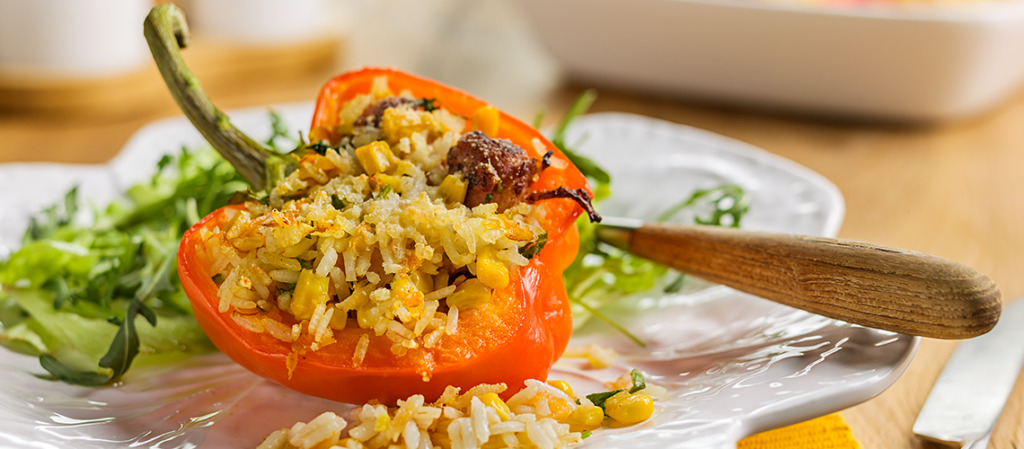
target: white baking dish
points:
(941, 60)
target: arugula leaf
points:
(600, 398)
(638, 381)
(727, 203)
(279, 130)
(63, 373)
(587, 166)
(76, 294)
(602, 274)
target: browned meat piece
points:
(372, 114)
(497, 171)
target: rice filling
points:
(372, 231)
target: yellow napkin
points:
(827, 432)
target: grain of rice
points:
(539, 435)
(510, 440)
(277, 330)
(439, 294)
(431, 339)
(341, 288)
(348, 257)
(452, 413)
(403, 314)
(464, 429)
(261, 281)
(374, 278)
(478, 416)
(324, 315)
(285, 276)
(542, 406)
(452, 326)
(400, 330)
(380, 326)
(284, 300)
(411, 435)
(507, 427)
(330, 257)
(361, 346)
(599, 356)
(294, 251)
(426, 316)
(276, 440)
(224, 293)
(363, 432)
(247, 323)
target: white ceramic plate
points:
(733, 364)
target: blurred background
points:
(85, 65)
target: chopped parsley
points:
(531, 249)
(337, 202)
(320, 147)
(638, 383)
(427, 104)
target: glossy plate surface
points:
(732, 364)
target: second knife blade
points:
(970, 393)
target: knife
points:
(969, 395)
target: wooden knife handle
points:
(871, 285)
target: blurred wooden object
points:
(216, 64)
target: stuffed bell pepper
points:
(416, 240)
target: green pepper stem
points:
(167, 33)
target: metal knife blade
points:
(969, 395)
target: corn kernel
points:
(586, 417)
(493, 401)
(405, 168)
(629, 408)
(405, 289)
(375, 157)
(382, 422)
(469, 294)
(560, 408)
(423, 281)
(452, 189)
(381, 180)
(486, 120)
(399, 123)
(310, 291)
(514, 230)
(491, 271)
(563, 386)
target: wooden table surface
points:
(950, 189)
